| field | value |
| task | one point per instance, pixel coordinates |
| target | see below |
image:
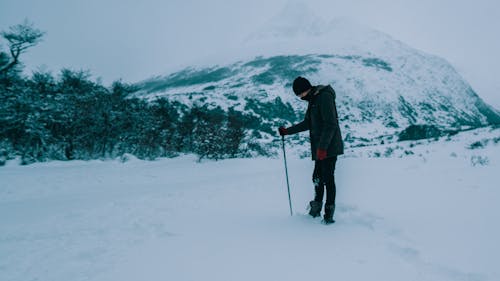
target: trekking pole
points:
(286, 173)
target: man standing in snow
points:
(321, 120)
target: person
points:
(321, 119)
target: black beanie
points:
(300, 85)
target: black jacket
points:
(321, 120)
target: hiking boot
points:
(329, 211)
(315, 210)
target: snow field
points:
(432, 217)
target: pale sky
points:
(135, 40)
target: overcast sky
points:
(135, 40)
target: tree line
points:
(70, 116)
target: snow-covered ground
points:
(432, 215)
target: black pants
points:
(323, 176)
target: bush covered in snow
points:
(417, 132)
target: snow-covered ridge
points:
(382, 84)
(375, 96)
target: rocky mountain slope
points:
(382, 85)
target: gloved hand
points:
(282, 131)
(320, 154)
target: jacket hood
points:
(317, 89)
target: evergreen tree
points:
(235, 132)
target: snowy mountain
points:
(411, 210)
(382, 85)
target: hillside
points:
(375, 97)
(382, 85)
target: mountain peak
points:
(296, 19)
(297, 29)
